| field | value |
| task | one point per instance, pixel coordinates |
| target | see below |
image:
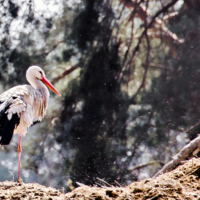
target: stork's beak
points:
(47, 83)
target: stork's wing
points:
(11, 106)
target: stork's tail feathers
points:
(7, 126)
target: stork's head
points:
(35, 74)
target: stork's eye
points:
(40, 72)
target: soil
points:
(181, 183)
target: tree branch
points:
(146, 67)
(185, 153)
(54, 47)
(65, 73)
(164, 9)
(145, 165)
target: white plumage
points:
(21, 105)
(29, 104)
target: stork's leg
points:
(19, 157)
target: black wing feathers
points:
(7, 126)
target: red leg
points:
(19, 156)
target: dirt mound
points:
(182, 183)
(13, 190)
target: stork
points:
(22, 105)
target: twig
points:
(80, 184)
(13, 179)
(54, 47)
(167, 31)
(168, 16)
(118, 183)
(145, 165)
(160, 67)
(192, 127)
(104, 181)
(129, 45)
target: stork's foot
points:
(20, 180)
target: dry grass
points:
(13, 190)
(182, 183)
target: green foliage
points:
(67, 54)
(174, 94)
(90, 129)
(86, 26)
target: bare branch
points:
(192, 127)
(54, 47)
(136, 49)
(65, 73)
(164, 9)
(160, 67)
(167, 31)
(129, 45)
(145, 165)
(185, 153)
(146, 67)
(170, 15)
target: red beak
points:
(47, 83)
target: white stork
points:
(21, 105)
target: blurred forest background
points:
(129, 75)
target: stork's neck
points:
(39, 85)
